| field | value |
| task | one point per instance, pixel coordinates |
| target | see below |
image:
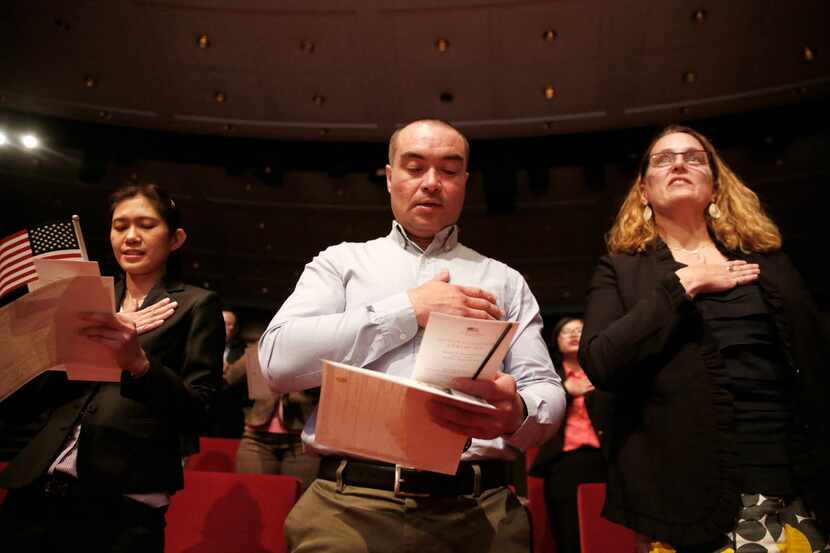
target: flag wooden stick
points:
(76, 224)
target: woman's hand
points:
(152, 316)
(717, 277)
(578, 386)
(117, 332)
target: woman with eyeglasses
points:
(99, 475)
(713, 348)
(573, 455)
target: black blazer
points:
(134, 433)
(671, 474)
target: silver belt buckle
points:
(399, 480)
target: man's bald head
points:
(393, 140)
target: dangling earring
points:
(714, 210)
(647, 213)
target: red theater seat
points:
(215, 454)
(542, 537)
(596, 534)
(2, 490)
(219, 512)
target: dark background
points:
(288, 162)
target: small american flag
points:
(47, 241)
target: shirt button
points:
(403, 336)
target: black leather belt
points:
(472, 477)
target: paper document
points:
(39, 332)
(385, 417)
(455, 347)
(52, 270)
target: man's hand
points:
(152, 316)
(479, 422)
(119, 334)
(441, 296)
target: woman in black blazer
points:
(718, 361)
(99, 475)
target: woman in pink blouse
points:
(573, 455)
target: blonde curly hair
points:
(742, 226)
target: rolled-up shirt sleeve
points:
(314, 323)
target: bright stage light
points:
(29, 141)
(3, 139)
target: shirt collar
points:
(446, 239)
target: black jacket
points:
(671, 470)
(134, 433)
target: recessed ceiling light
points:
(89, 81)
(307, 46)
(699, 16)
(549, 92)
(3, 139)
(203, 41)
(549, 35)
(29, 141)
(689, 77)
(808, 54)
(219, 97)
(442, 45)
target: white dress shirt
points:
(351, 305)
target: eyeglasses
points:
(571, 331)
(665, 158)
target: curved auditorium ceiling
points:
(341, 70)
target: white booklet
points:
(385, 417)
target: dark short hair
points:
(158, 197)
(164, 206)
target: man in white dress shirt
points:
(366, 304)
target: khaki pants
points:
(366, 520)
(269, 453)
